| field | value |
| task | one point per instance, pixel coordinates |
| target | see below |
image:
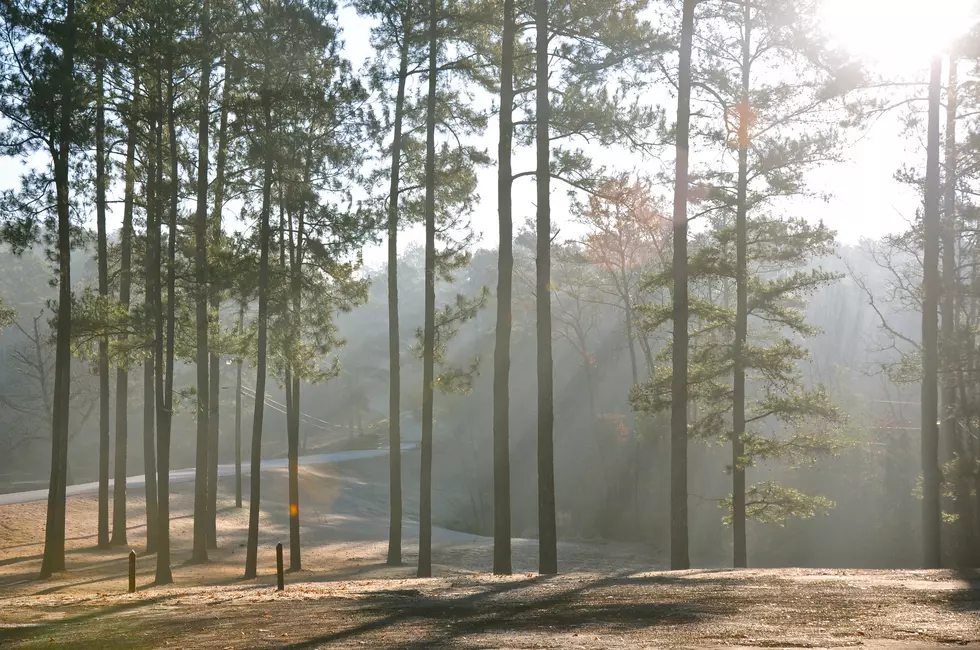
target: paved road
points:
(187, 475)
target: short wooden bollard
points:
(132, 572)
(280, 582)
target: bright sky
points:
(894, 36)
(897, 35)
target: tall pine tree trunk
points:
(252, 548)
(292, 464)
(292, 379)
(125, 289)
(968, 394)
(53, 559)
(679, 558)
(202, 525)
(547, 523)
(214, 373)
(741, 300)
(965, 370)
(505, 279)
(238, 415)
(394, 343)
(429, 333)
(292, 403)
(214, 407)
(951, 429)
(931, 474)
(297, 291)
(103, 264)
(151, 272)
(165, 357)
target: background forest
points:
(237, 231)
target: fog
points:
(612, 464)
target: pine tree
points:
(304, 118)
(761, 118)
(951, 409)
(547, 526)
(125, 290)
(395, 35)
(238, 415)
(267, 146)
(323, 121)
(596, 44)
(741, 298)
(394, 345)
(151, 294)
(203, 524)
(505, 279)
(214, 373)
(679, 558)
(457, 27)
(40, 98)
(931, 474)
(101, 182)
(804, 419)
(54, 541)
(165, 351)
(428, 360)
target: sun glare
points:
(898, 35)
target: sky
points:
(892, 36)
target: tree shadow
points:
(968, 599)
(486, 611)
(12, 634)
(18, 560)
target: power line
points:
(281, 408)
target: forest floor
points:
(608, 596)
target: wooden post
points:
(279, 577)
(132, 572)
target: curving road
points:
(187, 475)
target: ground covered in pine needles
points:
(607, 597)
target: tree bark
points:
(931, 474)
(252, 548)
(741, 301)
(394, 342)
(151, 271)
(53, 560)
(547, 524)
(238, 415)
(214, 407)
(214, 373)
(292, 379)
(292, 463)
(203, 523)
(429, 333)
(165, 369)
(295, 565)
(679, 558)
(103, 264)
(951, 430)
(125, 290)
(505, 279)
